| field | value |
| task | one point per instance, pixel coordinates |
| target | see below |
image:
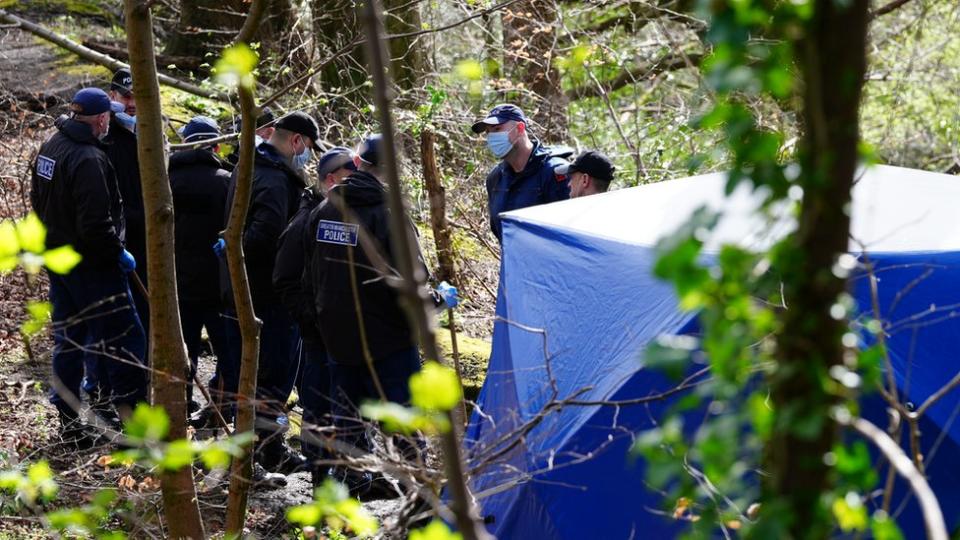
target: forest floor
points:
(35, 80)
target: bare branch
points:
(932, 514)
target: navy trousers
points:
(314, 397)
(277, 369)
(352, 385)
(93, 309)
(194, 317)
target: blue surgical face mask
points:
(499, 143)
(127, 121)
(257, 140)
(300, 160)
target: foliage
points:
(434, 391)
(436, 530)
(708, 468)
(333, 506)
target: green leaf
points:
(9, 243)
(235, 67)
(177, 455)
(39, 313)
(435, 388)
(884, 528)
(147, 424)
(31, 233)
(470, 70)
(850, 513)
(61, 260)
(436, 530)
(305, 515)
(671, 355)
(397, 418)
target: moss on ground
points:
(474, 355)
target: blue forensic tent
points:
(578, 304)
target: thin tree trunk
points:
(242, 467)
(832, 56)
(415, 304)
(529, 43)
(442, 239)
(167, 351)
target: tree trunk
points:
(209, 25)
(832, 56)
(529, 39)
(242, 467)
(415, 305)
(167, 351)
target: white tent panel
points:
(894, 210)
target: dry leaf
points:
(127, 482)
(105, 461)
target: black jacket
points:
(273, 201)
(288, 271)
(199, 184)
(74, 191)
(328, 270)
(121, 147)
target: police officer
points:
(358, 204)
(121, 148)
(333, 167)
(262, 133)
(526, 175)
(199, 181)
(590, 173)
(74, 192)
(277, 185)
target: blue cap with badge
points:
(92, 101)
(199, 128)
(336, 158)
(498, 115)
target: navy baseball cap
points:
(592, 163)
(122, 82)
(302, 123)
(498, 115)
(336, 158)
(93, 101)
(199, 128)
(369, 150)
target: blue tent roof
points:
(578, 304)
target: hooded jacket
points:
(120, 145)
(273, 201)
(332, 236)
(73, 190)
(536, 184)
(290, 266)
(199, 184)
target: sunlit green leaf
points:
(435, 388)
(61, 260)
(148, 424)
(9, 243)
(436, 530)
(31, 233)
(470, 70)
(850, 513)
(177, 455)
(235, 67)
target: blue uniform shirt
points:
(536, 184)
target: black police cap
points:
(592, 163)
(302, 123)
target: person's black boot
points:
(275, 456)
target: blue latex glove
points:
(449, 293)
(220, 248)
(127, 262)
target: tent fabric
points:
(578, 304)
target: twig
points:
(932, 514)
